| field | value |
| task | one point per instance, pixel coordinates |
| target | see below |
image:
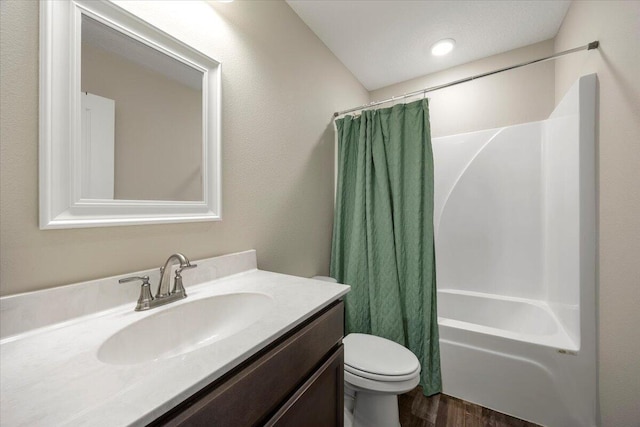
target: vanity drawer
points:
(319, 402)
(253, 392)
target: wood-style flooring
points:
(440, 410)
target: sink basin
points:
(183, 328)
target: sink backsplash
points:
(21, 313)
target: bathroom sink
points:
(183, 328)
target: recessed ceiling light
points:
(443, 47)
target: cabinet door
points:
(319, 402)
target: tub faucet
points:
(163, 295)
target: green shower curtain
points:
(383, 230)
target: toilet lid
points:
(376, 355)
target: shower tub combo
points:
(515, 242)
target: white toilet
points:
(376, 371)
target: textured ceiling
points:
(385, 42)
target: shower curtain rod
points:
(592, 45)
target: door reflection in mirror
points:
(98, 127)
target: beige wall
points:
(617, 26)
(158, 127)
(519, 96)
(280, 86)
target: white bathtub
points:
(509, 317)
(511, 355)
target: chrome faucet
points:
(165, 274)
(163, 296)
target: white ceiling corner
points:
(383, 42)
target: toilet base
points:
(374, 410)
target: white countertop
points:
(52, 376)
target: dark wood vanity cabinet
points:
(296, 381)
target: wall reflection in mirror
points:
(142, 130)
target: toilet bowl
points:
(376, 371)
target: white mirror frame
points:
(61, 205)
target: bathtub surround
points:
(383, 230)
(515, 244)
(616, 25)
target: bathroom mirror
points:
(129, 121)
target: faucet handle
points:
(178, 287)
(145, 298)
(145, 279)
